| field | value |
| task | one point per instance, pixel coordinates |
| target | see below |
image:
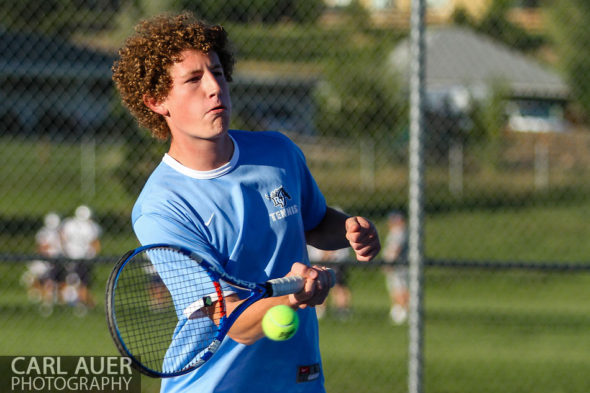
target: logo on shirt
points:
(279, 197)
(210, 220)
(308, 373)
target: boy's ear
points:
(155, 105)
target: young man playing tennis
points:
(244, 200)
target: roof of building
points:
(31, 54)
(457, 56)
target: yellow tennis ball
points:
(280, 323)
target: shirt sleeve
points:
(313, 203)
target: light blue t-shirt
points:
(250, 216)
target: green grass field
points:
(485, 330)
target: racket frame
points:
(258, 291)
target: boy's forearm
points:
(330, 234)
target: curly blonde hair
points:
(146, 57)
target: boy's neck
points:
(203, 154)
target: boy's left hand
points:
(363, 238)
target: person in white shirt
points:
(80, 237)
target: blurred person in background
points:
(80, 237)
(396, 276)
(43, 276)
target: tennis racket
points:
(154, 287)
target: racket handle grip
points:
(286, 285)
(293, 284)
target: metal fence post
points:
(416, 163)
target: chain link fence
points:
(506, 174)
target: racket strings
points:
(153, 291)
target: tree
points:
(255, 11)
(356, 99)
(496, 23)
(57, 17)
(569, 29)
